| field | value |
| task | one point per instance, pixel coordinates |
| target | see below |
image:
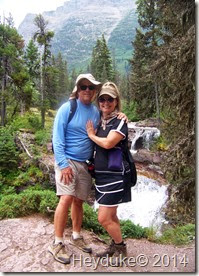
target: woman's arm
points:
(108, 142)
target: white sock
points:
(58, 240)
(76, 235)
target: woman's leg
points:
(107, 217)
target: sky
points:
(19, 8)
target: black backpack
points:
(73, 107)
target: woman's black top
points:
(111, 185)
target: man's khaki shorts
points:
(80, 186)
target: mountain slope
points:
(78, 24)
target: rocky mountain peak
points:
(78, 24)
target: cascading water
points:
(148, 196)
(143, 136)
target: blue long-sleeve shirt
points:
(70, 141)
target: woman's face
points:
(107, 104)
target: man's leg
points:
(77, 214)
(61, 214)
(58, 249)
(77, 217)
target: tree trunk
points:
(42, 92)
(3, 102)
(157, 100)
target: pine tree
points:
(147, 38)
(101, 61)
(58, 83)
(43, 37)
(175, 70)
(32, 61)
(12, 70)
(63, 82)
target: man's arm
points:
(59, 132)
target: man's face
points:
(86, 91)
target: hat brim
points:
(96, 83)
(107, 93)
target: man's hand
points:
(66, 175)
(121, 115)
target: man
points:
(72, 148)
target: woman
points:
(111, 169)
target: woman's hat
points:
(109, 88)
(88, 77)
(108, 91)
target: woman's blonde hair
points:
(114, 88)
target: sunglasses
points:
(103, 100)
(84, 87)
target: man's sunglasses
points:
(84, 87)
(102, 100)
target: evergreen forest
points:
(159, 82)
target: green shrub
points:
(42, 137)
(48, 199)
(35, 172)
(160, 144)
(22, 179)
(130, 230)
(179, 235)
(27, 121)
(130, 110)
(34, 121)
(9, 156)
(26, 203)
(32, 175)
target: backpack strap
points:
(129, 159)
(73, 107)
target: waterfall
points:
(148, 198)
(143, 136)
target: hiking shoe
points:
(113, 249)
(81, 244)
(59, 253)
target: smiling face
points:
(86, 91)
(107, 104)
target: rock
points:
(147, 157)
(150, 122)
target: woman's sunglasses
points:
(84, 87)
(102, 100)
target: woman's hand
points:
(90, 128)
(121, 115)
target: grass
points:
(180, 235)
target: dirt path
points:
(24, 242)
